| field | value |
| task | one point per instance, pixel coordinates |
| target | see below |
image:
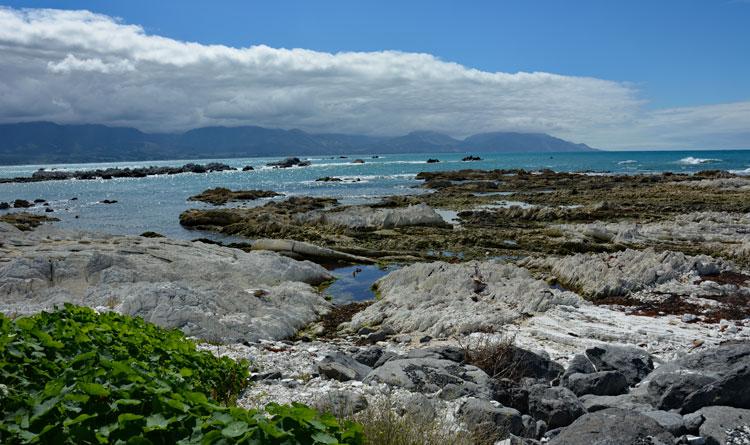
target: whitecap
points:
(627, 161)
(696, 161)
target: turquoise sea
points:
(154, 203)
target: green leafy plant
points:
(77, 377)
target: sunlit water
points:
(155, 203)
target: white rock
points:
(196, 287)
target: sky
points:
(613, 74)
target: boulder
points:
(341, 367)
(428, 375)
(613, 426)
(594, 403)
(671, 422)
(723, 425)
(489, 420)
(716, 375)
(369, 356)
(634, 363)
(342, 403)
(557, 406)
(604, 383)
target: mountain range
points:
(47, 142)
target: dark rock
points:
(489, 421)
(669, 390)
(149, 234)
(693, 422)
(380, 335)
(358, 161)
(429, 375)
(433, 161)
(732, 389)
(39, 201)
(533, 365)
(329, 179)
(612, 426)
(221, 195)
(365, 330)
(722, 423)
(386, 357)
(272, 375)
(557, 406)
(512, 394)
(247, 168)
(634, 363)
(4, 206)
(369, 356)
(108, 201)
(452, 353)
(604, 383)
(339, 366)
(289, 162)
(580, 364)
(471, 158)
(714, 376)
(425, 339)
(49, 210)
(21, 204)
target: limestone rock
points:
(489, 420)
(368, 218)
(205, 290)
(439, 299)
(722, 423)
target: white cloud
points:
(77, 66)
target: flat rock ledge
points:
(442, 299)
(207, 291)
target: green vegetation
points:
(77, 377)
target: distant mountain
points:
(46, 142)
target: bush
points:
(77, 377)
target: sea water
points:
(155, 203)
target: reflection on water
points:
(354, 283)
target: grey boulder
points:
(725, 425)
(449, 379)
(634, 363)
(613, 426)
(604, 383)
(339, 366)
(557, 406)
(490, 421)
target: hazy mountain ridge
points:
(46, 142)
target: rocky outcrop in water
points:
(289, 162)
(221, 195)
(110, 173)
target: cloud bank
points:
(82, 67)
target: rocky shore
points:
(110, 173)
(525, 308)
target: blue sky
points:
(678, 52)
(619, 74)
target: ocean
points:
(155, 203)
